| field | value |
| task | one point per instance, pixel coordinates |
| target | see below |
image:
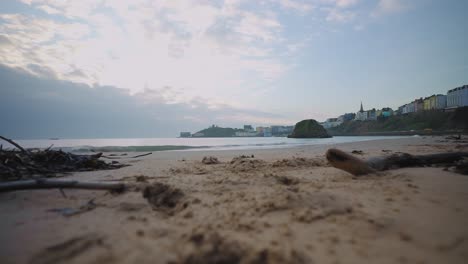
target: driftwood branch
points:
(137, 156)
(347, 162)
(16, 145)
(51, 183)
(403, 160)
(24, 164)
(142, 155)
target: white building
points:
(441, 101)
(403, 109)
(246, 134)
(331, 122)
(457, 97)
(361, 115)
(410, 108)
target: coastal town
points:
(455, 98)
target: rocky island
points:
(309, 128)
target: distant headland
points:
(433, 115)
(246, 131)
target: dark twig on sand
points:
(134, 157)
(142, 155)
(62, 184)
(90, 205)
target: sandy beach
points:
(272, 206)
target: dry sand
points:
(282, 206)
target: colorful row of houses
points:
(438, 101)
(373, 114)
(457, 97)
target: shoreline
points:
(175, 144)
(402, 133)
(283, 206)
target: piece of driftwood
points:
(24, 164)
(347, 162)
(134, 157)
(16, 145)
(458, 137)
(52, 183)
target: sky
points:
(153, 68)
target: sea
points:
(183, 144)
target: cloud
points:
(295, 5)
(5, 41)
(40, 42)
(339, 11)
(67, 8)
(345, 3)
(359, 27)
(196, 46)
(47, 108)
(49, 10)
(341, 16)
(388, 7)
(41, 71)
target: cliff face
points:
(309, 129)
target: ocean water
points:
(187, 144)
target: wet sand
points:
(281, 206)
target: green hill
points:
(215, 131)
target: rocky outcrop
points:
(309, 128)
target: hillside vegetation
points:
(426, 120)
(215, 131)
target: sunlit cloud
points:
(336, 15)
(200, 47)
(346, 3)
(213, 49)
(389, 6)
(302, 6)
(178, 51)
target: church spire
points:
(362, 109)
